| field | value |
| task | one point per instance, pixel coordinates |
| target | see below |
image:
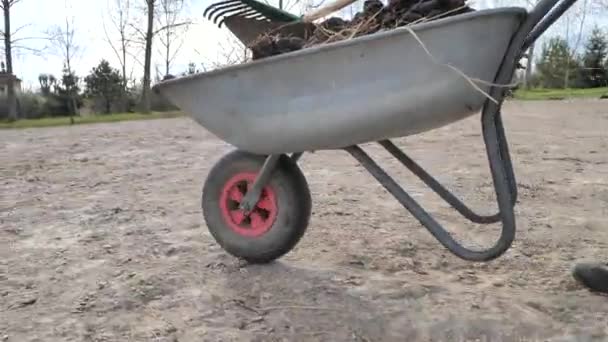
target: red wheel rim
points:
(260, 219)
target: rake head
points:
(249, 9)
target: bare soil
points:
(102, 239)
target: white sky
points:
(89, 15)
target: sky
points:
(203, 41)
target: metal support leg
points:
(502, 185)
(506, 156)
(439, 189)
(253, 195)
(444, 193)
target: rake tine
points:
(250, 12)
(256, 17)
(222, 11)
(223, 21)
(214, 14)
(252, 15)
(232, 11)
(210, 7)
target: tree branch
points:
(109, 41)
(170, 26)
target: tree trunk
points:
(108, 105)
(168, 54)
(145, 98)
(10, 91)
(530, 63)
(124, 66)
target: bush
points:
(159, 103)
(29, 106)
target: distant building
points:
(4, 79)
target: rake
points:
(248, 19)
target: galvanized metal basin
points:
(365, 89)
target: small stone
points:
(131, 275)
(257, 319)
(357, 263)
(171, 251)
(25, 302)
(5, 338)
(107, 246)
(414, 291)
(498, 284)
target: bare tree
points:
(230, 51)
(63, 39)
(580, 14)
(121, 22)
(601, 5)
(147, 38)
(172, 28)
(7, 36)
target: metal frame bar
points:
(541, 17)
(439, 189)
(253, 195)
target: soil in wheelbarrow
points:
(374, 17)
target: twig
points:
(297, 307)
(458, 71)
(440, 15)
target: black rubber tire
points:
(293, 201)
(594, 276)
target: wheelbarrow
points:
(256, 201)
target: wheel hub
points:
(257, 221)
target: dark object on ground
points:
(374, 17)
(604, 97)
(593, 275)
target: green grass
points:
(553, 94)
(65, 121)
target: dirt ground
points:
(102, 239)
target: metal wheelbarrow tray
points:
(365, 89)
(256, 201)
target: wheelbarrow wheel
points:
(279, 218)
